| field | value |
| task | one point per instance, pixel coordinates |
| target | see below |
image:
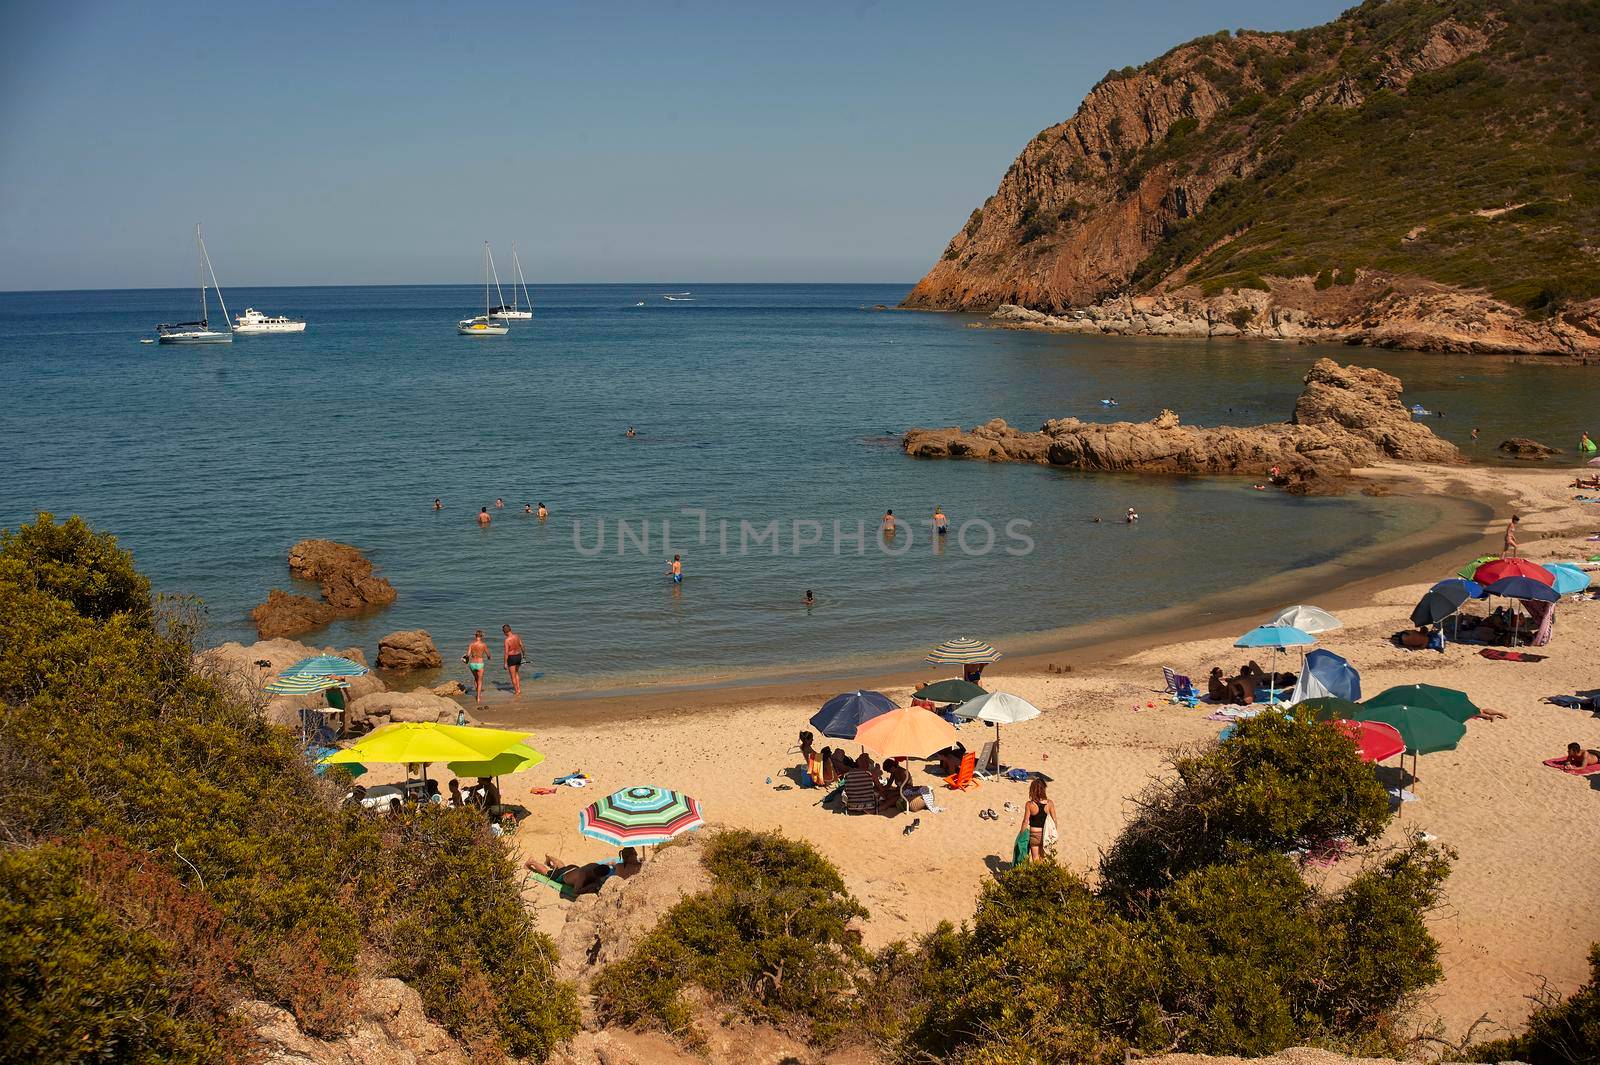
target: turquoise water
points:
(755, 404)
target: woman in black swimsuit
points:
(1038, 809)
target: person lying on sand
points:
(586, 879)
(1490, 715)
(1578, 758)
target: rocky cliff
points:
(1346, 418)
(1417, 173)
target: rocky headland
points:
(1346, 418)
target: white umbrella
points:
(998, 708)
(1311, 619)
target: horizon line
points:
(473, 284)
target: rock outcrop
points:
(1520, 447)
(390, 1028)
(1347, 417)
(346, 580)
(387, 707)
(408, 650)
(246, 668)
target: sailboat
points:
(199, 332)
(484, 326)
(512, 312)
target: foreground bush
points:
(771, 939)
(111, 745)
(1559, 1032)
(1276, 785)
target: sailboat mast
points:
(200, 272)
(486, 281)
(522, 280)
(501, 296)
(206, 258)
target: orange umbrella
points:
(910, 732)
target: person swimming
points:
(810, 600)
(543, 511)
(499, 504)
(527, 508)
(676, 569)
(1132, 516)
(483, 516)
(630, 434)
(438, 504)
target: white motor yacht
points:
(252, 322)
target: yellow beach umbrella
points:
(909, 731)
(513, 759)
(427, 741)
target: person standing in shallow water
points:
(888, 523)
(477, 657)
(483, 515)
(941, 524)
(676, 569)
(513, 659)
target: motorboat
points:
(199, 331)
(252, 322)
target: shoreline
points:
(1459, 525)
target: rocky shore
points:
(1347, 417)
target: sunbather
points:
(950, 759)
(586, 879)
(1579, 758)
(1217, 686)
(1490, 715)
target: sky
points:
(382, 143)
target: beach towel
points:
(1571, 702)
(1511, 656)
(1233, 713)
(1019, 849)
(1560, 763)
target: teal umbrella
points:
(1569, 578)
(1447, 701)
(315, 674)
(1276, 637)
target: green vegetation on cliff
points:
(169, 853)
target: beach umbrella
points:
(1312, 619)
(962, 651)
(843, 714)
(1524, 588)
(1325, 708)
(513, 759)
(1451, 703)
(1469, 571)
(426, 741)
(909, 732)
(1423, 728)
(641, 816)
(1324, 673)
(998, 708)
(1374, 740)
(1594, 462)
(1501, 568)
(954, 690)
(1276, 637)
(1569, 578)
(315, 674)
(1444, 600)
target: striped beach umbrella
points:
(962, 651)
(641, 816)
(315, 674)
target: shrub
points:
(1241, 316)
(1559, 1033)
(1277, 784)
(1324, 279)
(771, 939)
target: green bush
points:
(1277, 784)
(111, 744)
(1559, 1032)
(1241, 316)
(770, 939)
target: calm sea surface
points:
(753, 403)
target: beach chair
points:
(1180, 687)
(860, 792)
(961, 779)
(985, 759)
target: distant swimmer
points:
(499, 504)
(811, 600)
(543, 512)
(477, 654)
(888, 523)
(438, 504)
(527, 508)
(941, 524)
(676, 569)
(483, 516)
(1474, 432)
(1132, 516)
(631, 434)
(1095, 520)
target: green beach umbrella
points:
(1466, 572)
(1327, 708)
(953, 690)
(1447, 701)
(1424, 729)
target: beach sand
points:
(1523, 901)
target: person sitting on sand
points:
(1217, 686)
(394, 806)
(841, 763)
(808, 753)
(586, 879)
(972, 672)
(1413, 639)
(1578, 758)
(433, 793)
(456, 800)
(949, 759)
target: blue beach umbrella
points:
(1569, 578)
(1276, 637)
(1524, 588)
(843, 714)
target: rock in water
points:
(408, 650)
(289, 615)
(347, 582)
(1520, 447)
(1347, 417)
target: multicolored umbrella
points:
(642, 816)
(962, 651)
(843, 714)
(1451, 703)
(425, 741)
(315, 674)
(909, 732)
(1502, 568)
(954, 690)
(1374, 740)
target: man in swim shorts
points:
(513, 658)
(477, 655)
(941, 524)
(676, 569)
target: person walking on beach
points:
(1511, 538)
(513, 658)
(477, 655)
(676, 569)
(1035, 813)
(483, 515)
(941, 524)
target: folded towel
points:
(1561, 764)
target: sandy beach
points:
(1520, 909)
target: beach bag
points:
(1436, 640)
(1019, 851)
(1050, 833)
(806, 779)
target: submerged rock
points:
(1520, 447)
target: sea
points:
(766, 452)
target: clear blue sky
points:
(375, 143)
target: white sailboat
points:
(513, 312)
(483, 325)
(199, 332)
